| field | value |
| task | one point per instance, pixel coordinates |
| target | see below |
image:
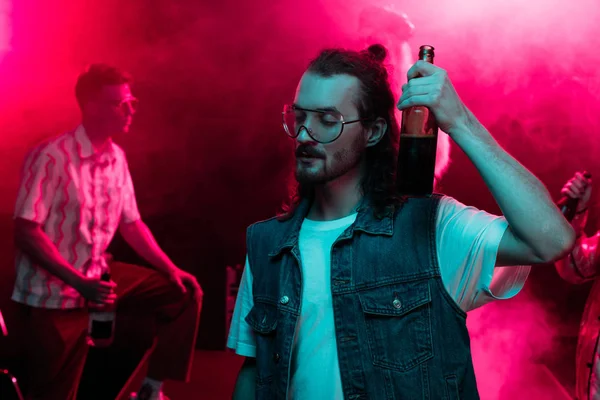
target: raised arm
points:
(537, 232)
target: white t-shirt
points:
(467, 246)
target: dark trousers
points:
(56, 340)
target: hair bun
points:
(378, 52)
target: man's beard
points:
(344, 161)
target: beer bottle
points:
(418, 145)
(101, 327)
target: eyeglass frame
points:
(118, 104)
(309, 130)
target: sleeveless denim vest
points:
(399, 334)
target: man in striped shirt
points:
(75, 192)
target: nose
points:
(129, 109)
(305, 131)
(304, 136)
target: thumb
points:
(421, 68)
(179, 283)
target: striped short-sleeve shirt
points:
(78, 196)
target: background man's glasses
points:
(126, 105)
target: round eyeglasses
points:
(127, 105)
(325, 128)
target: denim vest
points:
(399, 334)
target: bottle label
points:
(102, 316)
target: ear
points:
(89, 107)
(376, 131)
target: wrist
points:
(75, 279)
(470, 134)
(579, 221)
(167, 268)
(464, 124)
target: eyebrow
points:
(323, 109)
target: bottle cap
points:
(426, 53)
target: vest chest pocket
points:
(262, 318)
(398, 324)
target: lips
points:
(306, 154)
(305, 157)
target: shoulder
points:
(420, 205)
(118, 150)
(455, 219)
(267, 224)
(119, 153)
(49, 148)
(449, 207)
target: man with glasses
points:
(75, 192)
(357, 293)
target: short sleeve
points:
(467, 248)
(130, 212)
(37, 188)
(241, 336)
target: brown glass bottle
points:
(101, 328)
(418, 145)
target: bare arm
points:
(537, 231)
(245, 385)
(31, 240)
(139, 237)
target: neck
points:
(98, 136)
(338, 198)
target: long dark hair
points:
(377, 101)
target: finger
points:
(196, 287)
(105, 290)
(578, 185)
(423, 80)
(566, 191)
(107, 285)
(108, 301)
(572, 193)
(181, 286)
(585, 182)
(199, 295)
(421, 68)
(417, 90)
(421, 100)
(106, 295)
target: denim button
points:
(276, 357)
(397, 303)
(284, 300)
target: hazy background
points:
(208, 155)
